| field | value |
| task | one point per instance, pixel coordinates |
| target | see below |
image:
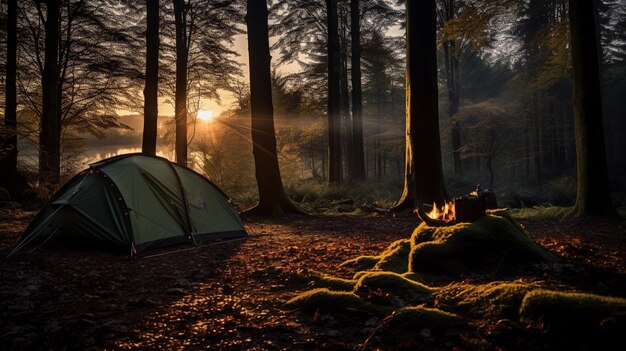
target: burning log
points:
(463, 209)
(433, 222)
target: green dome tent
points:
(136, 202)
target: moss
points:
(418, 317)
(391, 284)
(568, 313)
(396, 257)
(496, 300)
(416, 277)
(393, 259)
(329, 301)
(361, 263)
(333, 283)
(359, 274)
(491, 243)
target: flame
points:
(445, 213)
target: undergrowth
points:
(540, 212)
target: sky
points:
(241, 46)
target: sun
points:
(205, 115)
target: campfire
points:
(466, 208)
(445, 213)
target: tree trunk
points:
(50, 137)
(8, 146)
(273, 200)
(423, 178)
(537, 126)
(456, 146)
(150, 93)
(451, 65)
(335, 164)
(357, 171)
(593, 196)
(344, 96)
(180, 103)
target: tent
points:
(135, 202)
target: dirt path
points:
(225, 296)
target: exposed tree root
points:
(276, 209)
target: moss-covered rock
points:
(418, 317)
(489, 244)
(496, 300)
(566, 313)
(325, 300)
(419, 328)
(396, 257)
(390, 288)
(333, 283)
(362, 263)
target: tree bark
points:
(423, 178)
(273, 201)
(593, 196)
(357, 171)
(150, 93)
(451, 65)
(50, 136)
(8, 146)
(537, 145)
(344, 96)
(180, 103)
(335, 164)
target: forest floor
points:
(230, 295)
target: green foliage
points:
(540, 212)
(495, 300)
(325, 300)
(573, 315)
(319, 196)
(489, 244)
